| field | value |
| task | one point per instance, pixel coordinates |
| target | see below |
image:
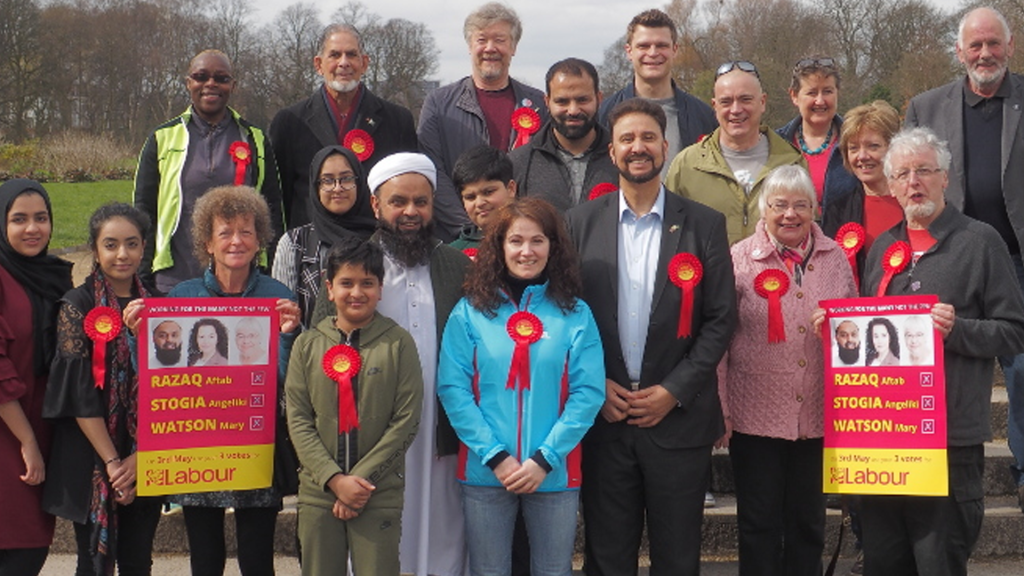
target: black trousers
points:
(254, 528)
(136, 528)
(632, 476)
(780, 506)
(22, 561)
(927, 535)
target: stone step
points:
(1000, 534)
(999, 412)
(998, 481)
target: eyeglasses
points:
(904, 175)
(814, 63)
(734, 64)
(346, 183)
(798, 207)
(204, 77)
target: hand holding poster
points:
(207, 394)
(885, 397)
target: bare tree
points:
(20, 65)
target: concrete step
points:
(1000, 534)
(998, 481)
(999, 412)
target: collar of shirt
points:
(626, 214)
(972, 99)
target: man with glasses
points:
(980, 117)
(208, 145)
(980, 315)
(652, 42)
(341, 111)
(726, 169)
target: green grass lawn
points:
(73, 204)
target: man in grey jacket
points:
(980, 314)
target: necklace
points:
(819, 149)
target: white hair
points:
(788, 178)
(1007, 35)
(912, 140)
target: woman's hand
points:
(35, 466)
(723, 442)
(506, 468)
(132, 314)
(817, 319)
(943, 317)
(289, 314)
(122, 478)
(526, 479)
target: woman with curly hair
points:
(883, 346)
(522, 377)
(208, 343)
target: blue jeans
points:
(491, 517)
(1013, 369)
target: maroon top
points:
(498, 106)
(25, 525)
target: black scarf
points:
(44, 278)
(331, 228)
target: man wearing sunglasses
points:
(652, 42)
(726, 169)
(980, 117)
(336, 113)
(188, 155)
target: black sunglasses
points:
(203, 77)
(737, 64)
(815, 62)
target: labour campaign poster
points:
(885, 397)
(207, 394)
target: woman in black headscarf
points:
(32, 281)
(339, 202)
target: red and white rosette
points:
(526, 123)
(773, 284)
(601, 189)
(341, 363)
(241, 155)
(102, 324)
(524, 328)
(851, 237)
(471, 252)
(685, 271)
(360, 142)
(896, 258)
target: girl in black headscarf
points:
(31, 282)
(339, 201)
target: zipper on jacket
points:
(746, 216)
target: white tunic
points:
(433, 533)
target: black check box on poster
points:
(258, 378)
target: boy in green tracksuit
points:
(354, 392)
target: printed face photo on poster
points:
(200, 342)
(897, 340)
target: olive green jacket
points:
(389, 390)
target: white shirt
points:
(639, 246)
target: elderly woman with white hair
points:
(771, 380)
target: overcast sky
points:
(552, 29)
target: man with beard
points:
(726, 169)
(980, 117)
(477, 109)
(649, 452)
(167, 343)
(422, 283)
(980, 315)
(342, 108)
(652, 42)
(848, 342)
(568, 158)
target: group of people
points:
(532, 301)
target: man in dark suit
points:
(340, 108)
(980, 117)
(649, 452)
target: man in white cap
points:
(422, 283)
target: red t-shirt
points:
(880, 214)
(920, 242)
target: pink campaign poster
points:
(207, 394)
(885, 397)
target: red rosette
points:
(851, 237)
(896, 258)
(601, 189)
(524, 328)
(102, 324)
(526, 123)
(773, 284)
(341, 363)
(241, 154)
(360, 142)
(471, 252)
(685, 271)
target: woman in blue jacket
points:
(522, 377)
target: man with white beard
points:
(341, 111)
